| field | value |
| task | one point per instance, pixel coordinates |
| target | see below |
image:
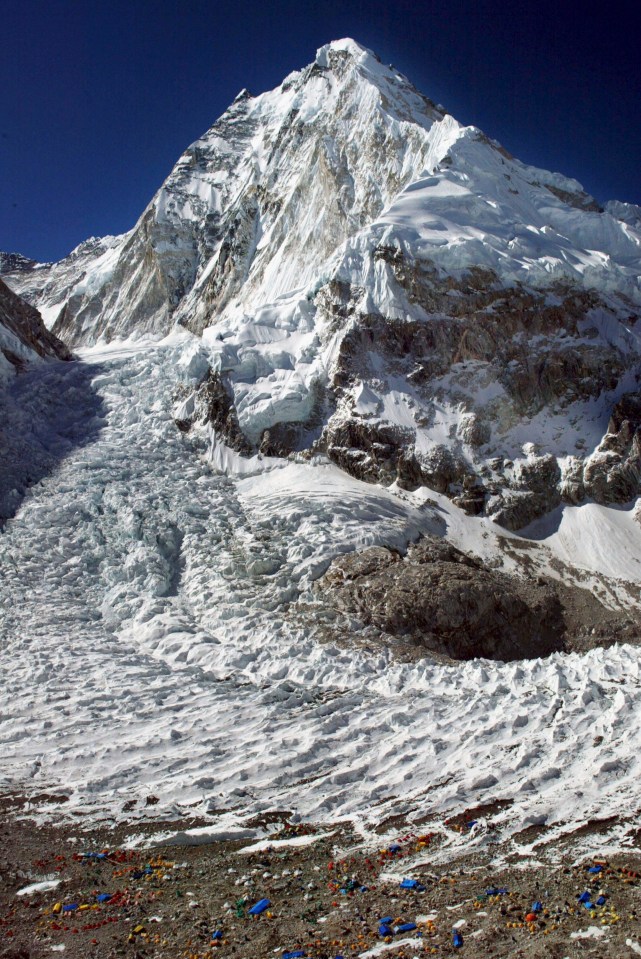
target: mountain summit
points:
(375, 281)
(254, 207)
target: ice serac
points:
(374, 281)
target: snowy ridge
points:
(259, 205)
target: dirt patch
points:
(326, 899)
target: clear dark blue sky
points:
(98, 99)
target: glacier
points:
(337, 257)
(152, 642)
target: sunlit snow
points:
(150, 644)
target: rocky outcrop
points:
(16, 263)
(437, 600)
(496, 360)
(533, 490)
(22, 332)
(210, 404)
(442, 601)
(371, 452)
(612, 474)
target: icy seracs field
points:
(148, 646)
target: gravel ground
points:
(327, 898)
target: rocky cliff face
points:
(23, 335)
(378, 283)
(507, 400)
(16, 263)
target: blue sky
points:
(98, 99)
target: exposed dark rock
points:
(438, 468)
(515, 509)
(472, 500)
(627, 410)
(16, 263)
(25, 323)
(612, 474)
(540, 474)
(211, 403)
(369, 451)
(532, 492)
(473, 430)
(580, 201)
(443, 601)
(285, 438)
(438, 600)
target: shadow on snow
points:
(45, 414)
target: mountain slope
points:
(376, 282)
(260, 200)
(255, 208)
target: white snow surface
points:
(592, 932)
(46, 885)
(383, 947)
(150, 640)
(283, 843)
(604, 539)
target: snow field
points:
(149, 644)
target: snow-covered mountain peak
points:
(351, 47)
(258, 206)
(243, 95)
(339, 241)
(340, 55)
(254, 207)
